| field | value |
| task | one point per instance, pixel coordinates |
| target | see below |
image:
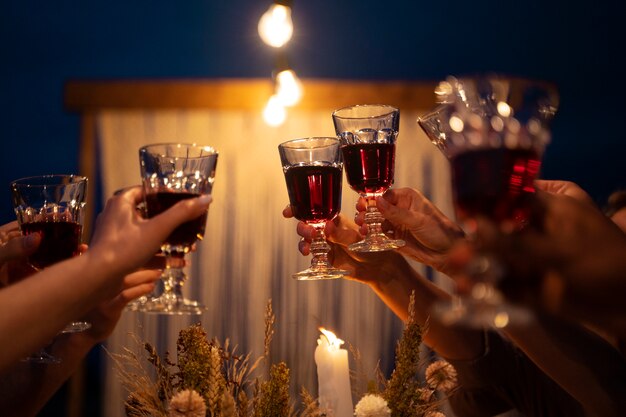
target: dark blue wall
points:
(578, 45)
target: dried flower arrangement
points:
(209, 379)
(405, 394)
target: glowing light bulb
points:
(275, 26)
(288, 88)
(274, 113)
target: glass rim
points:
(209, 149)
(390, 110)
(325, 141)
(39, 180)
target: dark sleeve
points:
(504, 379)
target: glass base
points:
(377, 244)
(137, 304)
(177, 306)
(76, 326)
(480, 314)
(313, 274)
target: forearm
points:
(584, 365)
(27, 387)
(394, 285)
(37, 308)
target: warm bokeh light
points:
(275, 26)
(274, 113)
(288, 88)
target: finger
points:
(305, 231)
(344, 232)
(304, 247)
(287, 212)
(19, 247)
(129, 294)
(179, 213)
(9, 227)
(361, 204)
(141, 277)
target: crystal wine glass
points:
(172, 172)
(312, 168)
(494, 131)
(368, 136)
(53, 206)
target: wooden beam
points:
(241, 94)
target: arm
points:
(393, 279)
(122, 242)
(583, 364)
(41, 382)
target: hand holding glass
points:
(172, 172)
(368, 136)
(312, 168)
(494, 130)
(52, 206)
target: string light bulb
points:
(288, 87)
(275, 26)
(274, 113)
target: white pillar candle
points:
(333, 376)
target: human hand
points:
(428, 233)
(124, 240)
(577, 265)
(340, 232)
(105, 316)
(14, 251)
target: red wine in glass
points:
(313, 169)
(495, 183)
(59, 241)
(185, 234)
(314, 192)
(369, 166)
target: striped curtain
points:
(250, 251)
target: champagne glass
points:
(368, 136)
(494, 131)
(172, 172)
(53, 207)
(312, 168)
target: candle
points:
(333, 376)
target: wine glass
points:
(53, 207)
(312, 168)
(172, 172)
(368, 136)
(494, 130)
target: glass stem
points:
(319, 247)
(173, 279)
(373, 218)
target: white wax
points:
(333, 378)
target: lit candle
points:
(333, 376)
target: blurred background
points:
(576, 45)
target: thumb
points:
(181, 212)
(19, 247)
(392, 213)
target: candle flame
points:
(333, 341)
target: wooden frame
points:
(89, 97)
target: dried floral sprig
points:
(441, 376)
(187, 403)
(310, 405)
(269, 328)
(401, 391)
(272, 396)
